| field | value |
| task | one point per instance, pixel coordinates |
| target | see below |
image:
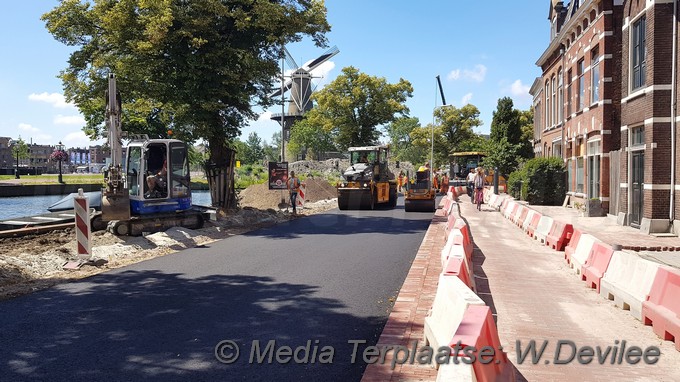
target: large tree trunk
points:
(220, 173)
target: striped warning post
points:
(300, 201)
(81, 205)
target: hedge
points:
(541, 181)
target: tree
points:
(526, 121)
(401, 146)
(501, 155)
(453, 130)
(254, 151)
(355, 104)
(505, 122)
(20, 149)
(305, 136)
(198, 67)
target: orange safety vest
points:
(294, 185)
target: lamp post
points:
(60, 148)
(16, 176)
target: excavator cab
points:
(158, 176)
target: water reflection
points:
(19, 206)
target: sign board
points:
(278, 175)
(238, 163)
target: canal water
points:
(20, 206)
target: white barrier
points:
(452, 372)
(580, 255)
(628, 280)
(543, 228)
(515, 218)
(527, 221)
(449, 306)
(508, 209)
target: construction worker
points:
(435, 180)
(293, 187)
(445, 183)
(400, 181)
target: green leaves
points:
(355, 104)
(197, 67)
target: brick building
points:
(577, 104)
(607, 104)
(649, 91)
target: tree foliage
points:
(509, 143)
(453, 131)
(20, 149)
(306, 137)
(195, 66)
(355, 104)
(401, 143)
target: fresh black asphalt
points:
(328, 278)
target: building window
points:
(637, 136)
(537, 123)
(570, 174)
(595, 76)
(569, 92)
(547, 105)
(639, 53)
(581, 91)
(554, 101)
(580, 175)
(594, 154)
(557, 149)
(560, 101)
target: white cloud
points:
(79, 139)
(55, 99)
(69, 120)
(28, 128)
(454, 75)
(322, 72)
(466, 99)
(519, 89)
(519, 93)
(33, 133)
(477, 74)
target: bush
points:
(540, 181)
(545, 181)
(516, 181)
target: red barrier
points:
(597, 263)
(464, 230)
(571, 247)
(479, 330)
(534, 224)
(559, 235)
(662, 308)
(450, 222)
(522, 217)
(456, 266)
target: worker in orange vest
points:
(400, 181)
(435, 180)
(445, 183)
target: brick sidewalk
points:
(537, 297)
(405, 323)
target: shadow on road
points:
(148, 325)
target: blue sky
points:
(482, 50)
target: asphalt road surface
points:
(329, 279)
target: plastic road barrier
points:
(543, 228)
(450, 303)
(596, 265)
(560, 235)
(628, 281)
(662, 308)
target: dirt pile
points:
(260, 196)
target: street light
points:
(60, 149)
(16, 149)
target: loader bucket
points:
(115, 206)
